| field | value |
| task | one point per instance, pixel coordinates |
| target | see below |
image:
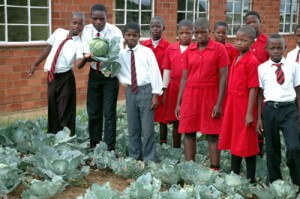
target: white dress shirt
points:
(268, 80)
(147, 70)
(292, 55)
(70, 51)
(89, 32)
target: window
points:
(192, 9)
(140, 11)
(288, 15)
(24, 20)
(235, 12)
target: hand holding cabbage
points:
(106, 51)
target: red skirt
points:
(159, 111)
(235, 135)
(171, 100)
(196, 109)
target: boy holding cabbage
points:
(102, 90)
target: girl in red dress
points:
(158, 45)
(201, 92)
(238, 132)
(173, 66)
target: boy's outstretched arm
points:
(82, 61)
(181, 89)
(41, 58)
(216, 112)
(260, 98)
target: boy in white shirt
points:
(140, 73)
(64, 47)
(279, 80)
(102, 91)
(294, 54)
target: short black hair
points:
(99, 7)
(186, 23)
(296, 28)
(276, 36)
(202, 23)
(252, 12)
(133, 26)
(160, 19)
(220, 23)
(248, 30)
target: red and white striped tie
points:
(279, 73)
(52, 69)
(134, 87)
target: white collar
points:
(102, 32)
(134, 48)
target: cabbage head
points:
(99, 47)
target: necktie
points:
(52, 69)
(297, 59)
(98, 63)
(134, 87)
(279, 73)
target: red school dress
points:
(232, 52)
(159, 53)
(202, 88)
(235, 135)
(258, 48)
(173, 61)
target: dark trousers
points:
(282, 117)
(101, 103)
(62, 102)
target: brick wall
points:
(18, 92)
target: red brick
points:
(13, 107)
(6, 84)
(28, 105)
(6, 100)
(19, 98)
(20, 83)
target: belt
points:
(279, 104)
(62, 74)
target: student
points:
(220, 35)
(158, 45)
(294, 54)
(173, 66)
(252, 19)
(64, 46)
(140, 73)
(238, 132)
(279, 81)
(202, 89)
(258, 49)
(102, 91)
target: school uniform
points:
(102, 91)
(232, 52)
(235, 135)
(280, 113)
(202, 88)
(159, 50)
(61, 86)
(258, 48)
(140, 116)
(173, 61)
(294, 55)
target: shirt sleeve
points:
(79, 51)
(155, 77)
(260, 80)
(222, 57)
(85, 40)
(253, 74)
(167, 62)
(51, 39)
(296, 81)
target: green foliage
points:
(9, 179)
(44, 189)
(100, 192)
(106, 51)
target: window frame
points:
(29, 25)
(230, 33)
(195, 10)
(139, 11)
(291, 18)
